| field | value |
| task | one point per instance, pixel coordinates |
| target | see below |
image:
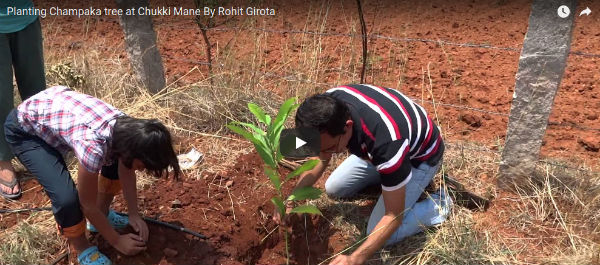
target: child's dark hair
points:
(324, 113)
(146, 140)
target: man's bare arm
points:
(310, 177)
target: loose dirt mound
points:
(238, 235)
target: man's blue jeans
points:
(354, 174)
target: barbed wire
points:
(568, 167)
(585, 54)
(470, 147)
(498, 152)
(431, 102)
(185, 60)
(573, 125)
(379, 36)
(355, 35)
(292, 78)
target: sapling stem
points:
(267, 146)
(287, 251)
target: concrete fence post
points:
(541, 66)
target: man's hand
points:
(284, 222)
(139, 226)
(307, 179)
(345, 260)
(130, 244)
(387, 225)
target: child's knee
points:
(68, 216)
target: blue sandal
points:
(115, 220)
(92, 256)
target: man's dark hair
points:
(146, 140)
(324, 113)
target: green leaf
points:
(265, 154)
(283, 113)
(261, 139)
(305, 193)
(258, 112)
(261, 147)
(276, 136)
(253, 127)
(279, 205)
(308, 165)
(306, 209)
(241, 131)
(274, 177)
(268, 119)
(274, 130)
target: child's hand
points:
(139, 226)
(130, 244)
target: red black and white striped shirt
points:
(390, 130)
(68, 120)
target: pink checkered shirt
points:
(71, 121)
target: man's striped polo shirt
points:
(391, 131)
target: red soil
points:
(33, 197)
(235, 235)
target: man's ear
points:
(349, 123)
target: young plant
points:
(267, 146)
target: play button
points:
(300, 142)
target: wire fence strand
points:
(403, 39)
(293, 78)
(498, 152)
(372, 36)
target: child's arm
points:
(87, 187)
(128, 182)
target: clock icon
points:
(563, 11)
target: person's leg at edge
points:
(28, 60)
(7, 172)
(417, 215)
(47, 164)
(351, 176)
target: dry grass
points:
(551, 220)
(455, 242)
(32, 241)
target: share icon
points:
(587, 11)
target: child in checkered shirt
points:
(109, 145)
